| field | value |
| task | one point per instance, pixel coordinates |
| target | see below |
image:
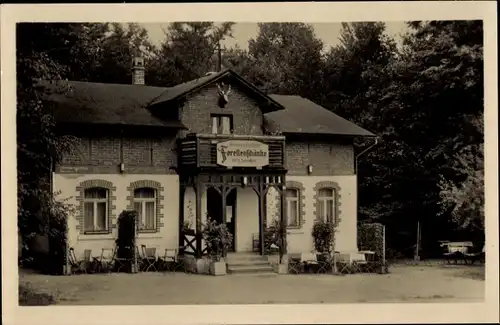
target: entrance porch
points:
(236, 198)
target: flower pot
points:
(203, 266)
(282, 268)
(218, 268)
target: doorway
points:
(215, 209)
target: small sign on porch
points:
(242, 153)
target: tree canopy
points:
(422, 95)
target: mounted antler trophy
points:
(223, 94)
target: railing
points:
(200, 150)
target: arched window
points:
(95, 209)
(292, 208)
(326, 204)
(145, 206)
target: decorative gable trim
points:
(193, 86)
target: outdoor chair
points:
(255, 242)
(77, 266)
(371, 263)
(294, 264)
(121, 262)
(359, 263)
(107, 260)
(454, 256)
(309, 261)
(474, 256)
(149, 258)
(325, 263)
(343, 263)
(170, 261)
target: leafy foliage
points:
(188, 52)
(218, 239)
(126, 239)
(322, 234)
(274, 235)
(324, 238)
(422, 96)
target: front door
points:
(231, 216)
(214, 209)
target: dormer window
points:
(222, 123)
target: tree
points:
(42, 54)
(285, 58)
(188, 52)
(464, 200)
(118, 48)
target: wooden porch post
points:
(223, 192)
(262, 214)
(283, 215)
(182, 191)
(199, 192)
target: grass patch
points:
(29, 297)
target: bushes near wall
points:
(371, 237)
(126, 239)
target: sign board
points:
(242, 153)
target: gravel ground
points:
(405, 283)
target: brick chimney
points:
(138, 71)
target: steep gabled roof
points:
(102, 103)
(302, 116)
(189, 87)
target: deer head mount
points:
(223, 94)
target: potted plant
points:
(218, 240)
(276, 238)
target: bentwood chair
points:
(294, 264)
(325, 263)
(149, 258)
(170, 260)
(107, 259)
(343, 262)
(77, 266)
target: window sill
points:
(96, 236)
(147, 231)
(149, 235)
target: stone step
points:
(246, 263)
(256, 274)
(250, 269)
(237, 257)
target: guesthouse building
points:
(216, 146)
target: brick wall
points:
(247, 116)
(326, 159)
(104, 154)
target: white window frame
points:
(326, 200)
(95, 202)
(217, 120)
(143, 201)
(289, 200)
